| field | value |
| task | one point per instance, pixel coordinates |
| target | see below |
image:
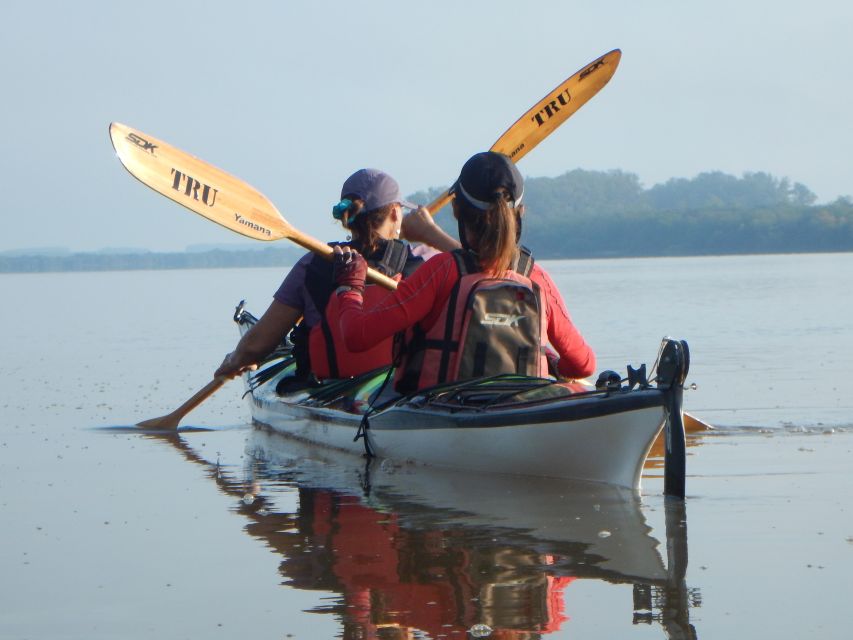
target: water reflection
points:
(414, 551)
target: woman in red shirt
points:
(488, 208)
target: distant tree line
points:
(213, 259)
(608, 213)
(583, 214)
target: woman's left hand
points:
(419, 226)
(231, 366)
(350, 268)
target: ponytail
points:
(492, 233)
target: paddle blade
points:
(197, 185)
(549, 113)
(164, 423)
(693, 424)
(557, 107)
(211, 192)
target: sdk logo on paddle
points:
(142, 143)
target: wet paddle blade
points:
(692, 424)
(163, 423)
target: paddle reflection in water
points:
(416, 551)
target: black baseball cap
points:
(483, 174)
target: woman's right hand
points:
(350, 268)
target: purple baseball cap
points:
(375, 187)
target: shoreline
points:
(283, 257)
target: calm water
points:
(234, 532)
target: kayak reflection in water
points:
(432, 580)
(450, 554)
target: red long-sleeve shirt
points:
(421, 297)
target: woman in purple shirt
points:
(372, 210)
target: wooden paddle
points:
(171, 420)
(211, 192)
(549, 113)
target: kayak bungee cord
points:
(364, 425)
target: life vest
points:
(488, 326)
(328, 354)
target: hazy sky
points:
(293, 97)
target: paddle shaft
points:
(200, 396)
(171, 420)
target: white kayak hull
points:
(609, 448)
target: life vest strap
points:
(395, 260)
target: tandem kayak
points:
(506, 424)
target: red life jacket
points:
(328, 353)
(489, 326)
